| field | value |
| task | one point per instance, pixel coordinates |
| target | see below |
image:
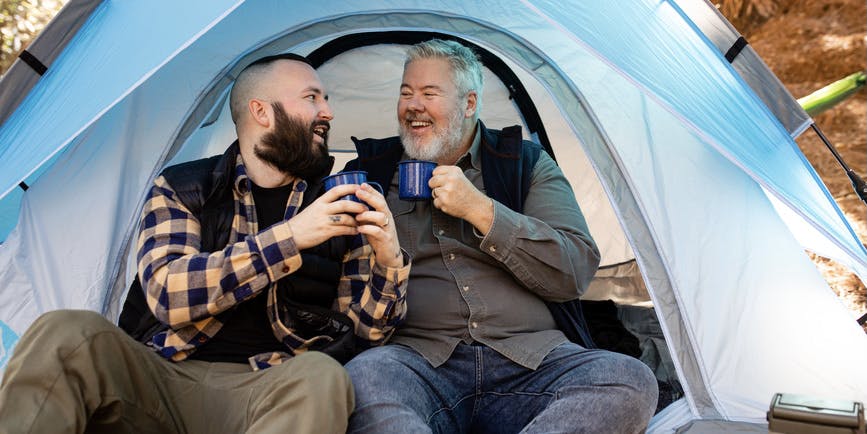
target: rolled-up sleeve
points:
(373, 296)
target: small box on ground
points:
(799, 414)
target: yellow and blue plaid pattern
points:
(186, 288)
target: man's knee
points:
(59, 328)
(639, 383)
(636, 373)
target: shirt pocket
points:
(406, 224)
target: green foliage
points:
(20, 22)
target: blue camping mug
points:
(349, 177)
(413, 177)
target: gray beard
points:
(443, 143)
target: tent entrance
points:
(522, 87)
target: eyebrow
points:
(428, 87)
(315, 90)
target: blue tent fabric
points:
(679, 164)
(691, 90)
(101, 79)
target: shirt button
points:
(451, 256)
(285, 269)
(492, 248)
(466, 288)
(474, 324)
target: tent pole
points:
(857, 182)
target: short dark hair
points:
(273, 58)
(248, 76)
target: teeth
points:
(419, 124)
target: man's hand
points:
(378, 225)
(456, 196)
(326, 217)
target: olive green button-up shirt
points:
(491, 289)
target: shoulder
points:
(376, 154)
(369, 148)
(191, 170)
(196, 181)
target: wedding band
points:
(334, 218)
(386, 222)
(433, 193)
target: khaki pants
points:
(74, 372)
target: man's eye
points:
(310, 97)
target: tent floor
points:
(721, 427)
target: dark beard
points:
(290, 149)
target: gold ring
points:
(386, 222)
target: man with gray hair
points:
(501, 244)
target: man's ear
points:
(260, 112)
(472, 99)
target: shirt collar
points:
(242, 181)
(243, 184)
(475, 153)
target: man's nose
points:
(325, 112)
(414, 104)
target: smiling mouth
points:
(417, 124)
(321, 130)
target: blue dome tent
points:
(676, 138)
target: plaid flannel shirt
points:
(186, 288)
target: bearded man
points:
(252, 286)
(497, 253)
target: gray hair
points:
(466, 67)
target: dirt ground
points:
(809, 44)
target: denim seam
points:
(479, 376)
(449, 408)
(551, 394)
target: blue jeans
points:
(478, 390)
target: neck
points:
(469, 133)
(260, 172)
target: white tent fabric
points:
(671, 153)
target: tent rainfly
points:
(676, 138)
